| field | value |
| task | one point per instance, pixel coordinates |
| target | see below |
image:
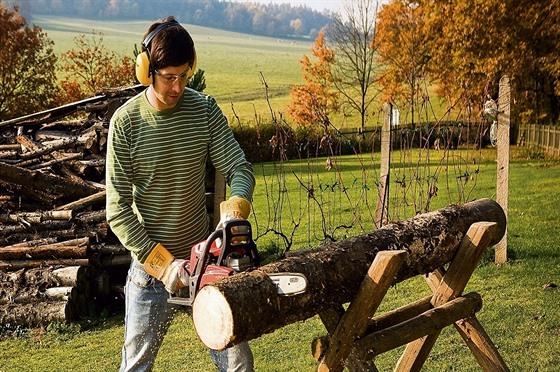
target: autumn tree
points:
(351, 36)
(91, 67)
(404, 50)
(480, 41)
(27, 67)
(311, 103)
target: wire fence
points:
(326, 189)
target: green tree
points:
(197, 81)
(91, 67)
(311, 103)
(27, 67)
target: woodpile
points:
(58, 258)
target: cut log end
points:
(214, 324)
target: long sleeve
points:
(156, 166)
(121, 217)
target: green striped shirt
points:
(155, 171)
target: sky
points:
(319, 5)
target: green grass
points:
(232, 62)
(520, 316)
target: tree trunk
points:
(36, 313)
(246, 305)
(44, 182)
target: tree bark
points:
(246, 305)
(36, 313)
(44, 182)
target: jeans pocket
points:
(139, 276)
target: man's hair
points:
(172, 46)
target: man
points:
(159, 143)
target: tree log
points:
(21, 264)
(246, 305)
(37, 217)
(43, 252)
(85, 202)
(45, 182)
(62, 293)
(36, 313)
(71, 276)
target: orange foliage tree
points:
(311, 103)
(404, 49)
(91, 67)
(478, 42)
(465, 47)
(27, 67)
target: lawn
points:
(234, 64)
(519, 312)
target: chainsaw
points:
(225, 252)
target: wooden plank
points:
(331, 318)
(474, 335)
(421, 325)
(463, 265)
(452, 284)
(355, 320)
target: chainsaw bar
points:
(287, 284)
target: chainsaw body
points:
(211, 261)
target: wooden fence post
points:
(502, 176)
(382, 210)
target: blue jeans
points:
(148, 316)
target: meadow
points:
(520, 302)
(234, 64)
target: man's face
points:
(168, 86)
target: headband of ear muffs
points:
(143, 68)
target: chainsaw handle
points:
(195, 279)
(229, 234)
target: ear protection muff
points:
(144, 71)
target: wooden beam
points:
(355, 320)
(419, 326)
(453, 283)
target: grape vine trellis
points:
(324, 195)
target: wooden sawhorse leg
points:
(446, 287)
(354, 321)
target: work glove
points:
(162, 265)
(235, 207)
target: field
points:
(233, 63)
(519, 312)
(520, 302)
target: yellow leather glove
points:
(235, 207)
(162, 265)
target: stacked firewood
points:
(58, 258)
